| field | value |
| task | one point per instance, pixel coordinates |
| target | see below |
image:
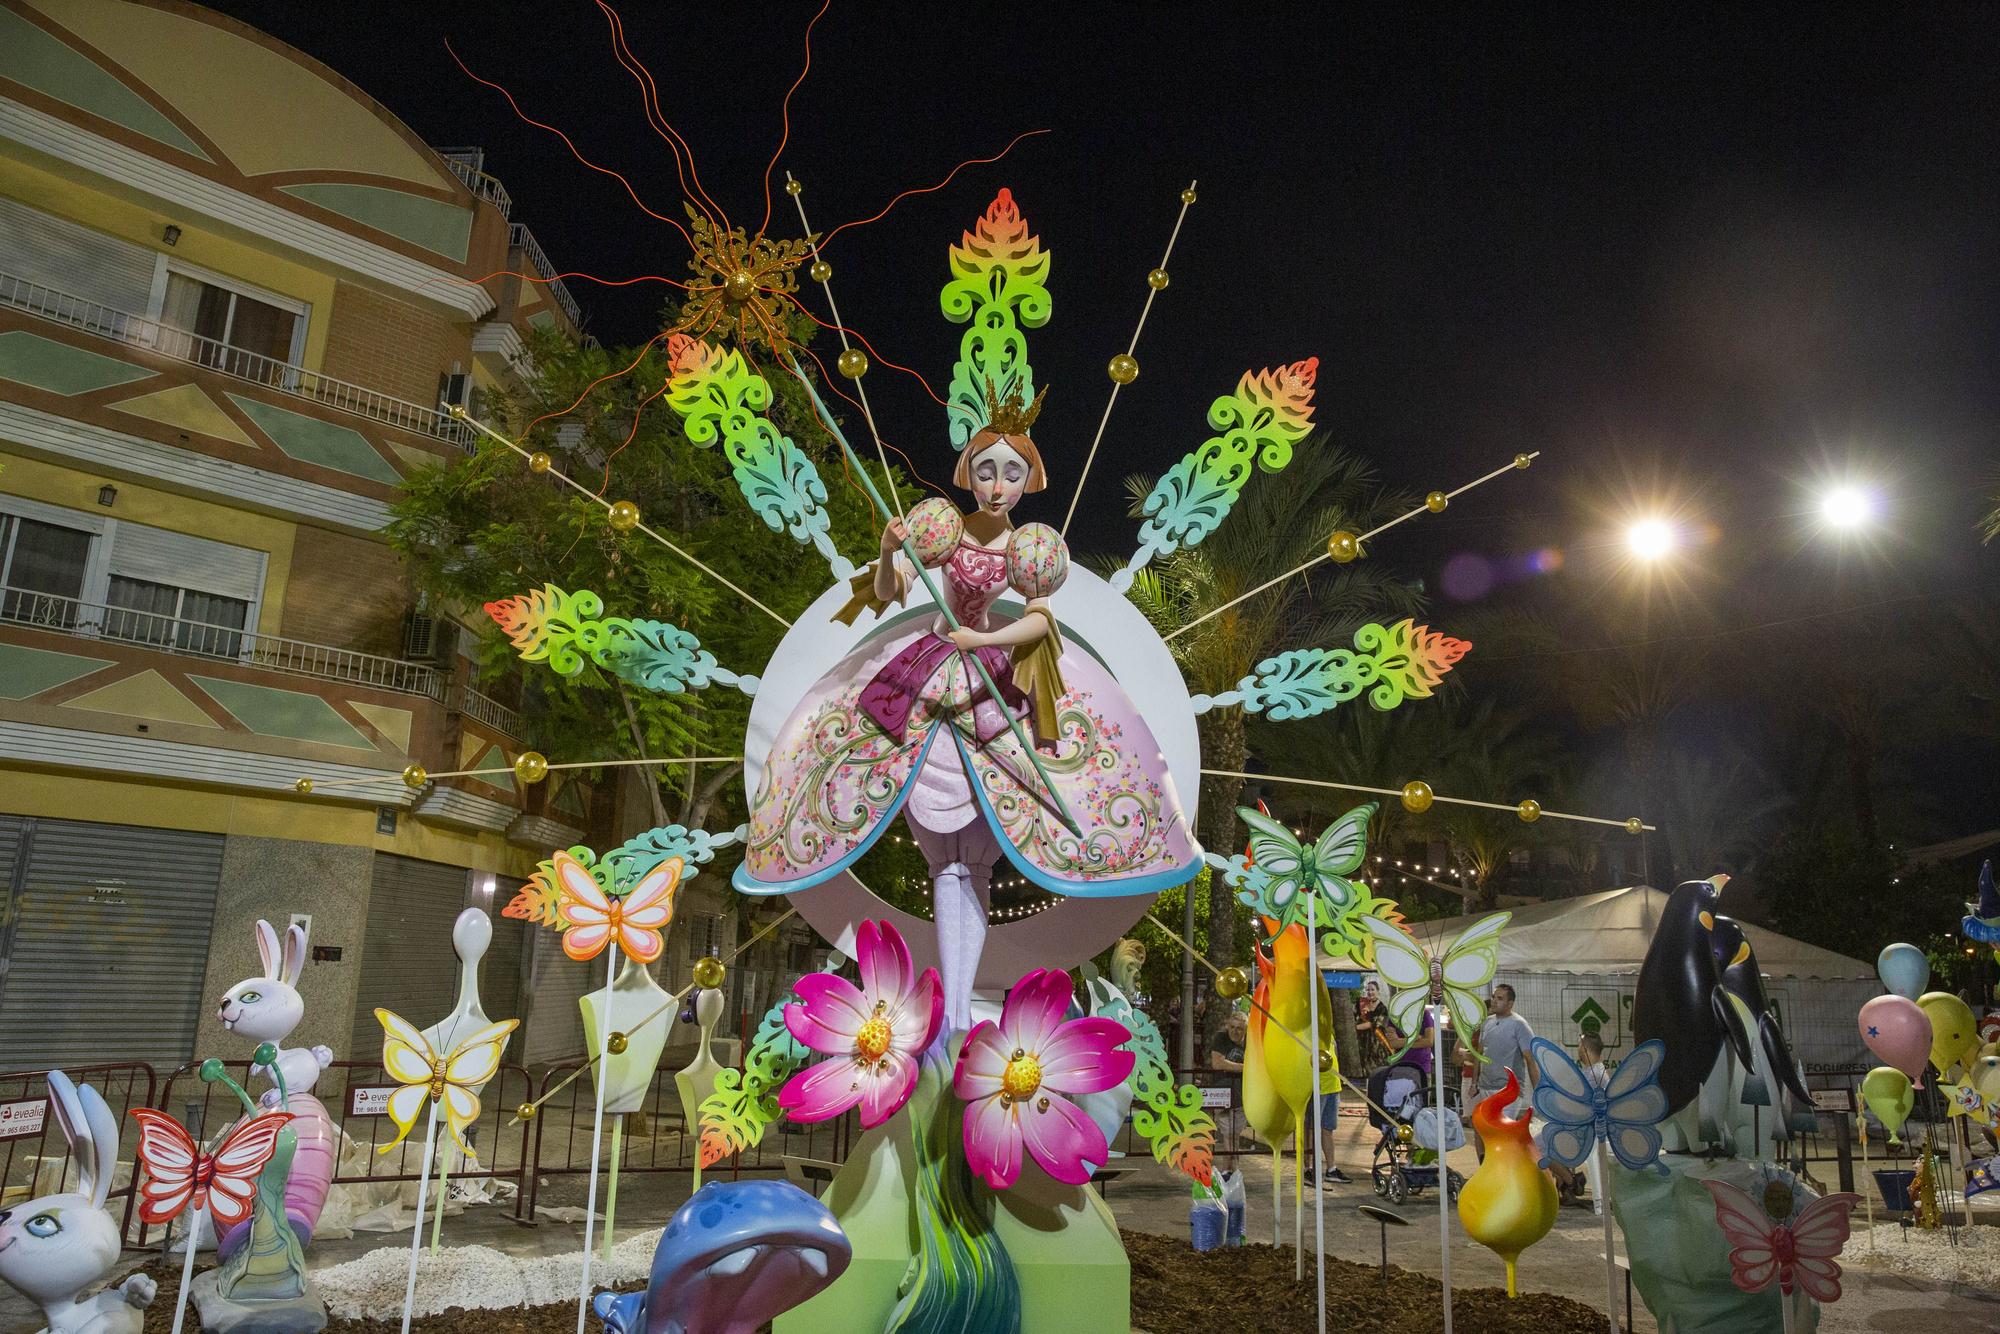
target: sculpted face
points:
(999, 476)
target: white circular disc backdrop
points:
(1096, 621)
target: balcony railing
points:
(217, 643)
(468, 164)
(17, 293)
(520, 238)
(486, 709)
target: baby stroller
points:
(1401, 1167)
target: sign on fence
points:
(370, 1099)
(1215, 1097)
(19, 1120)
(1338, 980)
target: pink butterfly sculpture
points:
(1767, 1243)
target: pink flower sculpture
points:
(1013, 1076)
(874, 1034)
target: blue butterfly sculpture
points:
(1625, 1112)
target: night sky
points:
(1705, 256)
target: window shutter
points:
(182, 561)
(57, 253)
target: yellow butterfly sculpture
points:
(453, 1079)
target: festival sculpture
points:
(1510, 1203)
(54, 1248)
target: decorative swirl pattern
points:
(1037, 561)
(1270, 412)
(1170, 1116)
(1393, 663)
(563, 630)
(630, 860)
(745, 1102)
(999, 285)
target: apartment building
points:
(234, 290)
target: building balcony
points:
(137, 331)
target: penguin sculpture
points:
(1774, 1078)
(1681, 1001)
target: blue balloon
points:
(1904, 970)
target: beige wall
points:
(392, 346)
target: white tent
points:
(1574, 962)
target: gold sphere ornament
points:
(1523, 460)
(793, 185)
(853, 363)
(540, 462)
(616, 1044)
(1187, 195)
(1417, 796)
(1343, 547)
(709, 972)
(1635, 826)
(526, 1111)
(303, 787)
(1157, 280)
(531, 766)
(1124, 368)
(414, 776)
(1232, 983)
(820, 271)
(1325, 1061)
(1436, 501)
(1529, 811)
(624, 516)
(740, 285)
(1405, 1133)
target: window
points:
(41, 570)
(143, 612)
(234, 331)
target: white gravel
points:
(1975, 1260)
(475, 1277)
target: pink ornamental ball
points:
(935, 529)
(1037, 560)
(1899, 1033)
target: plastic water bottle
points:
(1233, 1199)
(1208, 1220)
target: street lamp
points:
(1651, 539)
(1847, 506)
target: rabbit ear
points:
(295, 953)
(267, 948)
(76, 1127)
(102, 1166)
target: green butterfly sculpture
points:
(1280, 873)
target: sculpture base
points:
(304, 1314)
(1062, 1240)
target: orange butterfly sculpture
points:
(180, 1176)
(636, 920)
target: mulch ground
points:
(1174, 1290)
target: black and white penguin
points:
(1775, 1078)
(1681, 1000)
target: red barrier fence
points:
(29, 1137)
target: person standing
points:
(1225, 1056)
(1326, 1172)
(1590, 1055)
(1503, 1040)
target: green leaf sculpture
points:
(999, 287)
(1392, 663)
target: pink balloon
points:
(1899, 1033)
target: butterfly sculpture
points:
(1279, 873)
(1776, 1242)
(1624, 1113)
(180, 1176)
(636, 920)
(450, 1078)
(1452, 979)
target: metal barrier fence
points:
(123, 1085)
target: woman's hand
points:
(965, 639)
(893, 537)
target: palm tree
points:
(1500, 756)
(1280, 522)
(1714, 811)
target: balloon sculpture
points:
(1903, 969)
(1510, 1203)
(54, 1248)
(1899, 1032)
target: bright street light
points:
(1847, 506)
(1651, 539)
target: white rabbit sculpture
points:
(268, 1008)
(53, 1248)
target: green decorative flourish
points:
(1170, 1116)
(564, 630)
(632, 859)
(1270, 412)
(999, 285)
(745, 1102)
(539, 901)
(718, 396)
(1393, 663)
(961, 1277)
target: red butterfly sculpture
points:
(181, 1176)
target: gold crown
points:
(1012, 415)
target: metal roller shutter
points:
(555, 1032)
(185, 561)
(503, 975)
(406, 959)
(105, 943)
(81, 261)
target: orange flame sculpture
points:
(1510, 1203)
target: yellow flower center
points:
(873, 1039)
(1022, 1077)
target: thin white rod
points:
(1610, 1241)
(1319, 1128)
(1444, 1162)
(1187, 198)
(187, 1266)
(1398, 792)
(417, 1231)
(597, 1129)
(1449, 495)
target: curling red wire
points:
(787, 110)
(630, 435)
(931, 189)
(649, 97)
(537, 278)
(644, 348)
(569, 144)
(856, 335)
(830, 383)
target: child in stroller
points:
(1401, 1167)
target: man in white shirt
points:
(1503, 1039)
